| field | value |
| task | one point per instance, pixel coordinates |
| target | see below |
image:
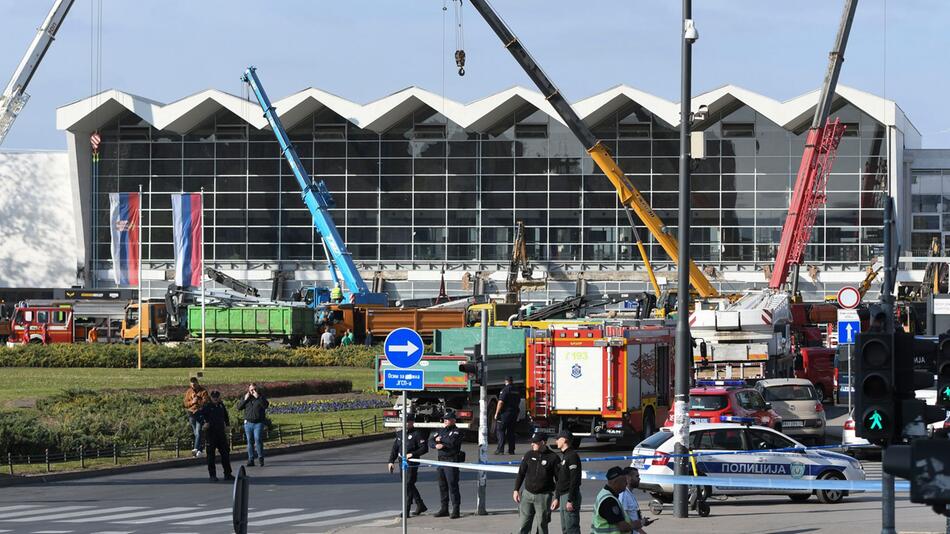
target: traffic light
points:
(926, 464)
(875, 412)
(943, 372)
(475, 365)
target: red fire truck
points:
(605, 382)
(47, 323)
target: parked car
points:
(798, 402)
(711, 403)
(732, 438)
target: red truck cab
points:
(817, 364)
(43, 324)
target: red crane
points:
(821, 148)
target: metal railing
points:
(126, 454)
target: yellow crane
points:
(629, 196)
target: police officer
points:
(448, 442)
(506, 416)
(536, 501)
(609, 517)
(416, 446)
(569, 484)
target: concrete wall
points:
(37, 229)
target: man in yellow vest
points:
(336, 294)
(609, 517)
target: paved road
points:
(348, 490)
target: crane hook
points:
(460, 61)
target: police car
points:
(731, 439)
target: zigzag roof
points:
(379, 115)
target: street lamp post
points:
(683, 341)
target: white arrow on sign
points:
(849, 329)
(409, 348)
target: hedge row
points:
(184, 355)
(270, 389)
(96, 420)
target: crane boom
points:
(14, 96)
(318, 201)
(821, 148)
(628, 194)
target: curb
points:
(7, 480)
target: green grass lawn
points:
(27, 383)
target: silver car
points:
(799, 404)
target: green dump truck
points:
(448, 389)
(292, 325)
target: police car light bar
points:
(736, 419)
(730, 383)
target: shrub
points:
(184, 355)
(270, 389)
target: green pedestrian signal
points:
(875, 420)
(945, 394)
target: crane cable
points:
(459, 38)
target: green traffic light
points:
(945, 394)
(875, 420)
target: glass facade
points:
(429, 192)
(930, 210)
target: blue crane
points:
(319, 201)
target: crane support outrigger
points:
(319, 202)
(629, 195)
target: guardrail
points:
(124, 454)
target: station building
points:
(426, 187)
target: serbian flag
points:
(187, 224)
(124, 213)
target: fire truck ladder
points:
(541, 377)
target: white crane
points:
(14, 96)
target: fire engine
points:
(45, 323)
(605, 382)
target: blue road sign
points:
(404, 379)
(403, 347)
(848, 331)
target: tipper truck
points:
(448, 389)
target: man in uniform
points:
(416, 446)
(609, 517)
(569, 484)
(538, 471)
(214, 419)
(448, 442)
(506, 416)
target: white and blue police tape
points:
(873, 486)
(624, 458)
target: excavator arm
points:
(628, 194)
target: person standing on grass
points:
(255, 414)
(347, 338)
(327, 340)
(368, 340)
(214, 420)
(195, 397)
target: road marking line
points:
(301, 517)
(390, 513)
(115, 532)
(54, 517)
(21, 513)
(52, 532)
(203, 513)
(17, 507)
(228, 518)
(130, 515)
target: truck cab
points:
(498, 313)
(153, 324)
(43, 324)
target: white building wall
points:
(37, 229)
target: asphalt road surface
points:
(349, 490)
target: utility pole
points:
(683, 344)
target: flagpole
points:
(141, 312)
(203, 296)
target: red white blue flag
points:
(124, 221)
(187, 224)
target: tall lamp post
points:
(683, 341)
